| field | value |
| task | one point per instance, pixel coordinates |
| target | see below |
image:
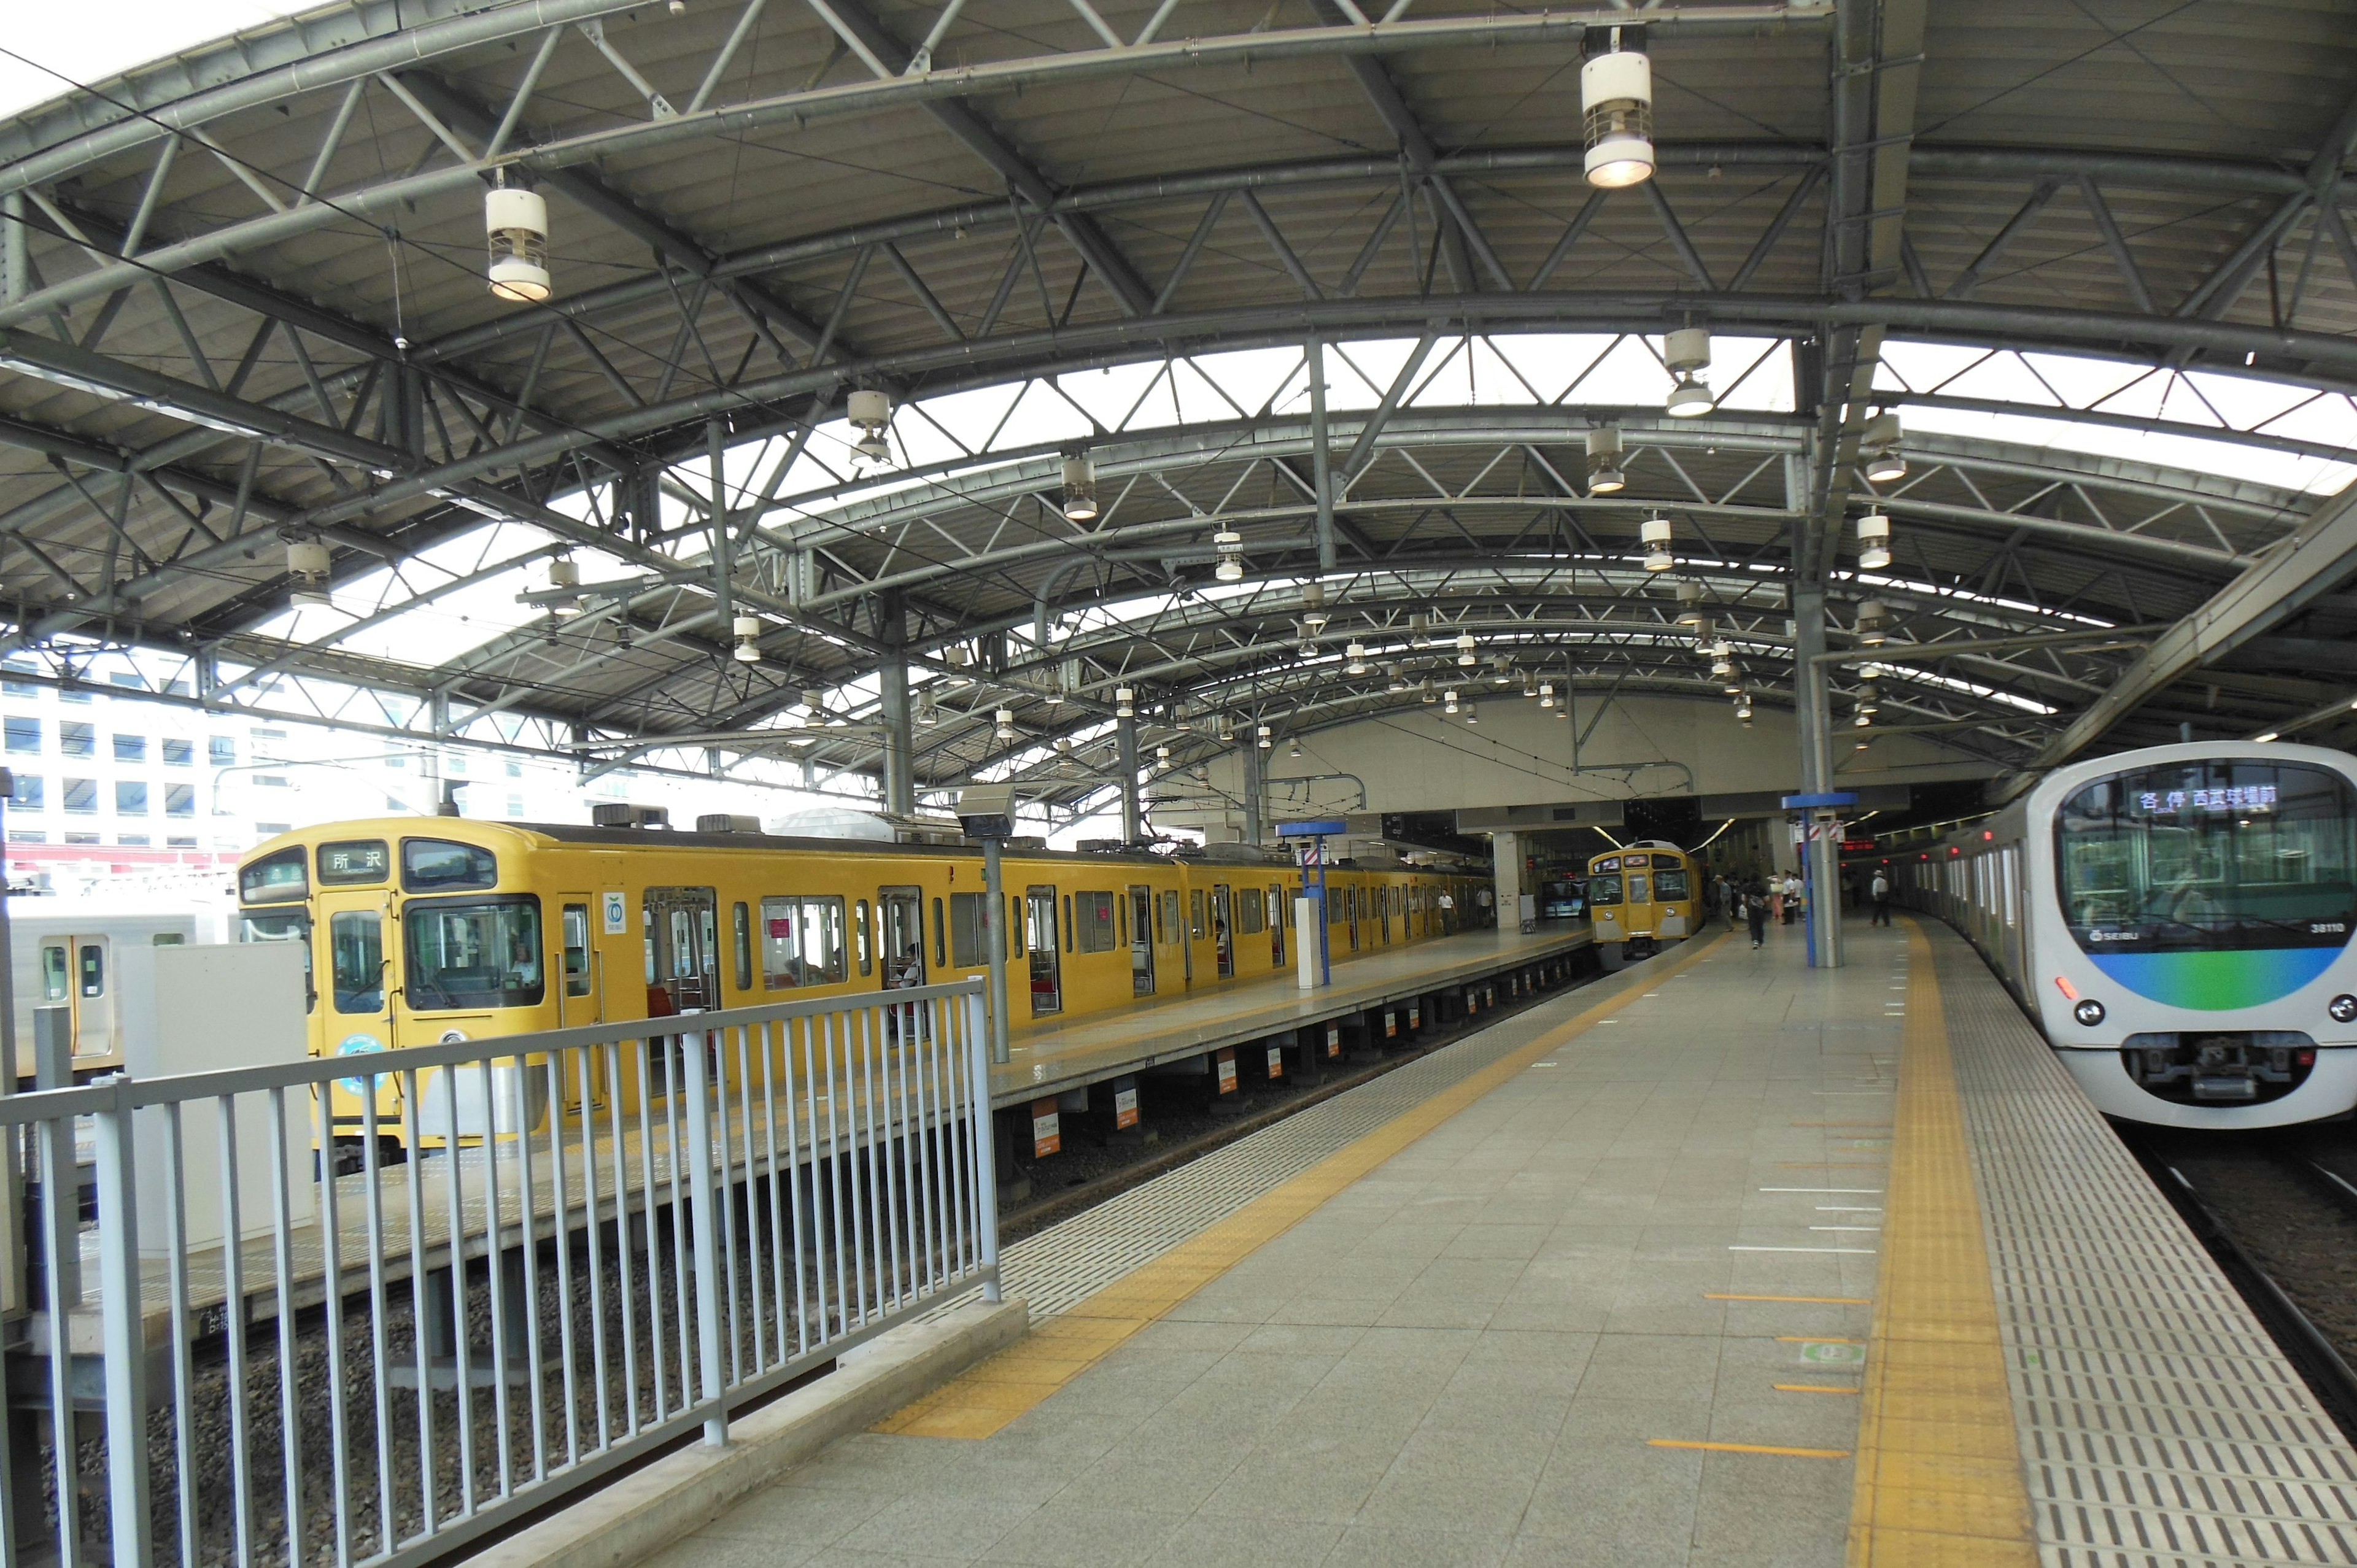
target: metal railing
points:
(553, 1254)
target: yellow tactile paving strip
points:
(985, 1399)
(1939, 1473)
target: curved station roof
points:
(1320, 292)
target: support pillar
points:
(1132, 814)
(899, 740)
(1248, 761)
(1321, 458)
(1506, 876)
(1820, 853)
(723, 592)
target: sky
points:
(94, 39)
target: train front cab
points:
(1639, 898)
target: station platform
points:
(1716, 1261)
(1046, 1058)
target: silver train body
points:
(65, 951)
(2177, 920)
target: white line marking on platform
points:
(1867, 1227)
(1853, 1191)
(1845, 1251)
(1848, 1208)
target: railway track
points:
(2283, 1225)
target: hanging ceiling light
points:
(1873, 623)
(309, 563)
(1124, 703)
(1292, 750)
(1686, 352)
(1616, 105)
(1471, 717)
(957, 657)
(1529, 684)
(1080, 488)
(1743, 709)
(1449, 702)
(1869, 698)
(1356, 654)
(1878, 449)
(1655, 533)
(748, 639)
(1873, 541)
(1231, 546)
(929, 714)
(1501, 672)
(1265, 738)
(1227, 728)
(1393, 680)
(1004, 729)
(871, 410)
(1690, 613)
(515, 225)
(1419, 631)
(1424, 690)
(1604, 475)
(564, 583)
(1465, 655)
(1546, 693)
(1162, 755)
(1733, 683)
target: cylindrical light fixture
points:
(1419, 631)
(564, 578)
(1529, 684)
(1265, 738)
(1604, 475)
(1231, 546)
(1690, 604)
(1448, 702)
(1465, 655)
(1878, 449)
(748, 639)
(1655, 533)
(1471, 717)
(1124, 703)
(1873, 541)
(1294, 749)
(309, 563)
(1616, 106)
(928, 713)
(1873, 623)
(1393, 680)
(1006, 724)
(1869, 698)
(871, 411)
(1501, 673)
(515, 226)
(1686, 352)
(1424, 690)
(1080, 488)
(1162, 755)
(1356, 654)
(1546, 693)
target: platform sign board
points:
(1333, 1039)
(1391, 1025)
(1416, 1015)
(1329, 827)
(1124, 1103)
(1276, 1062)
(1046, 1129)
(1226, 1064)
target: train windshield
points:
(463, 953)
(2210, 857)
(1604, 888)
(1669, 884)
(279, 926)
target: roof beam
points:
(2312, 563)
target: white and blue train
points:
(2177, 921)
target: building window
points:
(179, 753)
(133, 681)
(27, 835)
(180, 844)
(131, 748)
(19, 688)
(23, 734)
(73, 694)
(28, 794)
(180, 687)
(456, 767)
(81, 797)
(271, 780)
(131, 798)
(76, 740)
(515, 805)
(82, 838)
(222, 751)
(396, 761)
(179, 800)
(270, 830)
(515, 769)
(136, 841)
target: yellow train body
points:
(1643, 893)
(425, 930)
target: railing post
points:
(125, 1339)
(704, 1220)
(985, 1157)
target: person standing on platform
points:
(1776, 896)
(1755, 911)
(1882, 894)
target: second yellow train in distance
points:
(1640, 896)
(425, 930)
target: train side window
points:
(93, 970)
(1195, 913)
(967, 949)
(439, 865)
(1067, 922)
(356, 947)
(740, 930)
(1096, 922)
(940, 938)
(866, 959)
(1014, 925)
(54, 980)
(577, 950)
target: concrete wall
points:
(1413, 760)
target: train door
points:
(581, 999)
(1170, 932)
(1223, 931)
(1141, 941)
(683, 931)
(1279, 917)
(900, 915)
(93, 997)
(1351, 914)
(360, 968)
(1040, 938)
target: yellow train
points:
(425, 930)
(1638, 898)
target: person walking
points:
(1775, 891)
(1882, 895)
(1755, 911)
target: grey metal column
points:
(1248, 760)
(1321, 458)
(1133, 817)
(715, 441)
(899, 741)
(1823, 852)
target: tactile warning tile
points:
(2158, 1425)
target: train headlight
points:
(2342, 1008)
(2089, 1013)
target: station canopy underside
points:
(2096, 258)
